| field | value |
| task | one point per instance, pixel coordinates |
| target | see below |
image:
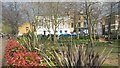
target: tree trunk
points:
(89, 23)
(109, 25)
(90, 34)
(55, 39)
(76, 24)
(117, 34)
(77, 31)
(94, 36)
(90, 30)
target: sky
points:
(58, 0)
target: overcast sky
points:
(58, 0)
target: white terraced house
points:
(45, 25)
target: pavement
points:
(2, 47)
(1, 52)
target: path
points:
(2, 47)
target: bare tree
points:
(91, 12)
(96, 17)
(54, 10)
(11, 15)
(88, 8)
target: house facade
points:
(111, 21)
(47, 26)
(24, 28)
(65, 25)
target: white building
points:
(46, 26)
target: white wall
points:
(41, 29)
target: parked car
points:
(65, 35)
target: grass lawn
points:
(113, 57)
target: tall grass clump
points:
(74, 56)
(30, 41)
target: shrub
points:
(16, 55)
(74, 56)
(30, 41)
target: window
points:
(44, 32)
(27, 28)
(72, 25)
(65, 31)
(79, 29)
(78, 24)
(60, 31)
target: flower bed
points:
(17, 55)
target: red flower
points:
(17, 55)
